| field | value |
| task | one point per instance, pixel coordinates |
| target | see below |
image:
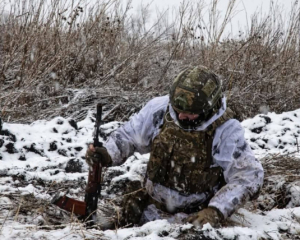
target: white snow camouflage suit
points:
(242, 172)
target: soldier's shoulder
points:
(158, 103)
(161, 100)
(230, 127)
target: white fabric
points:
(243, 173)
(151, 213)
(137, 134)
(171, 198)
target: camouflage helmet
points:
(196, 90)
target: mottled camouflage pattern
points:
(181, 160)
(195, 90)
(133, 206)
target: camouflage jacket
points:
(243, 173)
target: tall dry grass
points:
(59, 59)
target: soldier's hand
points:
(97, 154)
(208, 215)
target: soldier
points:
(201, 169)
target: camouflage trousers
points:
(123, 211)
(139, 208)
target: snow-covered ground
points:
(46, 157)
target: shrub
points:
(60, 59)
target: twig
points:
(112, 110)
(22, 14)
(267, 233)
(127, 194)
(17, 213)
(72, 213)
(46, 99)
(54, 182)
(46, 227)
(65, 236)
(85, 220)
(4, 222)
(81, 229)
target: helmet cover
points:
(196, 90)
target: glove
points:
(97, 154)
(209, 215)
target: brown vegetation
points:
(60, 60)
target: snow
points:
(273, 133)
(42, 150)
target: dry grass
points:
(47, 51)
(36, 215)
(284, 165)
(281, 175)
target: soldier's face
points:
(188, 121)
(187, 116)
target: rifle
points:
(93, 188)
(86, 209)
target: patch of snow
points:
(42, 150)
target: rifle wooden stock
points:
(70, 205)
(87, 207)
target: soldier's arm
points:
(243, 173)
(137, 134)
